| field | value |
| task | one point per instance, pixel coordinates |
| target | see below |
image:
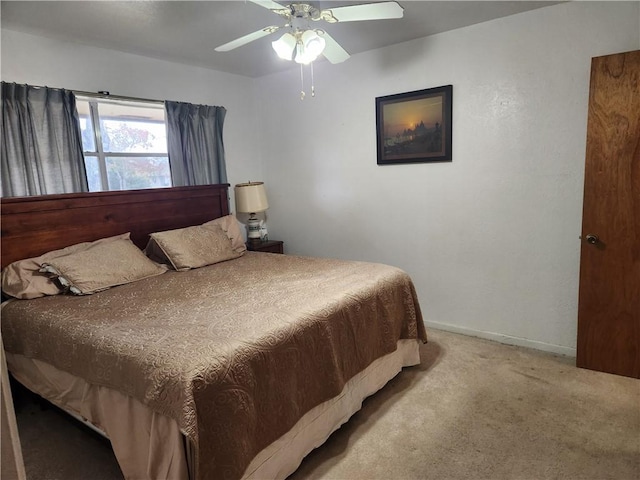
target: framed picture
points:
(414, 127)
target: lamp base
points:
(253, 227)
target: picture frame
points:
(414, 127)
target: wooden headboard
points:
(35, 225)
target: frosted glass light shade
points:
(313, 43)
(251, 197)
(310, 46)
(285, 46)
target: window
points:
(124, 143)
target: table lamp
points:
(251, 198)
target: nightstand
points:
(271, 246)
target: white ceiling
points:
(188, 31)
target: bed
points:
(234, 369)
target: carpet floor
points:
(473, 409)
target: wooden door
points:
(609, 303)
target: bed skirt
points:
(151, 446)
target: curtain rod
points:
(102, 94)
(105, 94)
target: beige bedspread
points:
(236, 352)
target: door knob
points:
(592, 239)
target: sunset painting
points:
(414, 126)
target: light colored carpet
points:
(473, 409)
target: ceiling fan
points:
(304, 44)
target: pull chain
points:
(313, 88)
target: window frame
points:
(100, 154)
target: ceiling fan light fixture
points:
(313, 43)
(310, 46)
(285, 46)
(304, 44)
(301, 56)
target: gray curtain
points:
(41, 149)
(194, 142)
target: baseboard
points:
(501, 338)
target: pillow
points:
(231, 227)
(102, 266)
(192, 247)
(23, 279)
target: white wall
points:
(42, 61)
(491, 239)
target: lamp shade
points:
(285, 46)
(251, 197)
(310, 47)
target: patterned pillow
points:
(23, 279)
(192, 247)
(102, 266)
(231, 227)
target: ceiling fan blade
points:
(367, 11)
(238, 42)
(332, 50)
